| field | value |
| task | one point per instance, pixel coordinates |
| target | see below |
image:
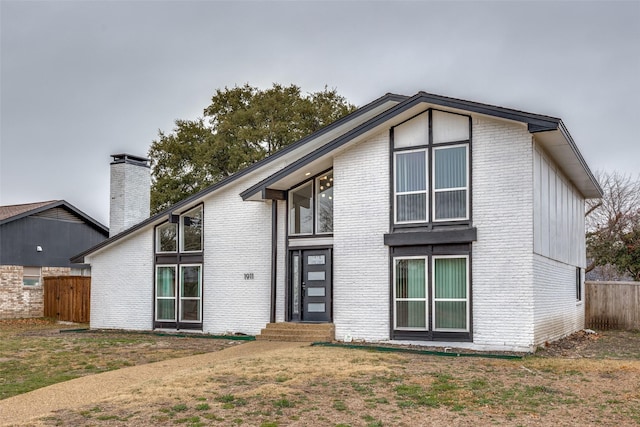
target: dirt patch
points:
(595, 345)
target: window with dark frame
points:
(431, 168)
(431, 295)
(310, 206)
(179, 245)
(578, 284)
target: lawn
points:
(587, 380)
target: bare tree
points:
(612, 224)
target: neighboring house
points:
(37, 240)
(414, 219)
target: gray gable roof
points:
(12, 213)
(536, 124)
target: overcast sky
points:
(81, 80)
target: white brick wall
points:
(502, 270)
(237, 241)
(557, 313)
(360, 258)
(122, 279)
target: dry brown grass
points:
(319, 386)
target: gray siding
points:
(59, 239)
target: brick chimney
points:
(130, 192)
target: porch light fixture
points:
(307, 174)
(38, 248)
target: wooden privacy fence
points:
(612, 305)
(67, 298)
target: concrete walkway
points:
(91, 389)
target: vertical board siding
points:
(558, 214)
(67, 298)
(612, 305)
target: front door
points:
(310, 285)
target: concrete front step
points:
(303, 332)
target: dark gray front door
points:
(310, 281)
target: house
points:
(421, 219)
(36, 241)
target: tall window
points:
(191, 230)
(301, 209)
(451, 289)
(190, 293)
(167, 238)
(166, 293)
(311, 206)
(411, 186)
(450, 182)
(324, 211)
(410, 294)
(178, 281)
(433, 144)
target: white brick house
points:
(423, 219)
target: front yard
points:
(584, 380)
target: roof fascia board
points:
(492, 110)
(389, 97)
(53, 204)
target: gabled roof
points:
(550, 131)
(12, 213)
(362, 114)
(18, 211)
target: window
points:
(178, 280)
(433, 144)
(31, 276)
(311, 206)
(191, 230)
(578, 284)
(450, 183)
(167, 238)
(190, 293)
(301, 209)
(411, 186)
(410, 297)
(431, 297)
(324, 213)
(166, 293)
(450, 303)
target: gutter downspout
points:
(274, 257)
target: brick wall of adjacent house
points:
(502, 258)
(19, 301)
(361, 294)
